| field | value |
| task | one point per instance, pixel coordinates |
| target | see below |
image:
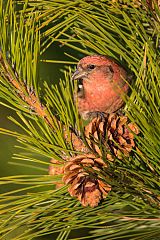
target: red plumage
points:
(102, 83)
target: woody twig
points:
(25, 93)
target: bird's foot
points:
(96, 114)
(120, 112)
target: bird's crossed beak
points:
(79, 74)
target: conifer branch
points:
(24, 92)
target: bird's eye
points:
(91, 66)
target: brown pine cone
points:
(121, 135)
(95, 133)
(85, 185)
(112, 131)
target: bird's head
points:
(101, 84)
(91, 69)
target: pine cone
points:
(113, 132)
(95, 133)
(85, 185)
(121, 135)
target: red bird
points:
(101, 85)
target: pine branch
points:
(26, 94)
(47, 213)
